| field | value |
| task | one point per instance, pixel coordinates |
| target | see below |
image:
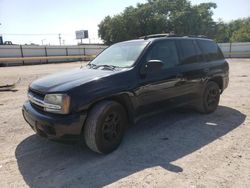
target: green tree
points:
(222, 32)
(241, 32)
(159, 16)
(105, 29)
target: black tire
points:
(209, 99)
(105, 126)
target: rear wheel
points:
(210, 98)
(105, 125)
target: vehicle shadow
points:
(156, 141)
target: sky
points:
(45, 19)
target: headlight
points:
(57, 103)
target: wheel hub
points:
(212, 96)
(111, 127)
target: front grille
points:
(37, 106)
(37, 95)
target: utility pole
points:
(43, 40)
(60, 39)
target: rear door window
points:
(189, 52)
(210, 50)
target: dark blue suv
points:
(127, 81)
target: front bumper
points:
(53, 126)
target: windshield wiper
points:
(92, 65)
(112, 67)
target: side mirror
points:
(152, 66)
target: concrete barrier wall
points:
(47, 51)
(230, 50)
(236, 50)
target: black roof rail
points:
(158, 36)
(170, 35)
(197, 36)
(202, 36)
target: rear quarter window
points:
(210, 50)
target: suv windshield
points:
(121, 54)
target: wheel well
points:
(124, 100)
(219, 81)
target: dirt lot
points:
(168, 150)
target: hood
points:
(61, 82)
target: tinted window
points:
(164, 51)
(189, 52)
(210, 50)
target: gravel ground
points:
(167, 150)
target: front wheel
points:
(105, 126)
(210, 98)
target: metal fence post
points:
(67, 53)
(84, 51)
(21, 49)
(46, 53)
(84, 54)
(230, 49)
